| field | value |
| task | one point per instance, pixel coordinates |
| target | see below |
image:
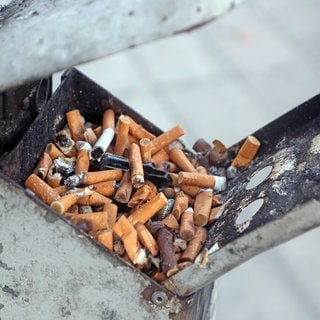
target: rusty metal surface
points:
(42, 37)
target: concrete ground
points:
(224, 81)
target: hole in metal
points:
(159, 298)
(249, 211)
(259, 177)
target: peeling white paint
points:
(284, 160)
(315, 145)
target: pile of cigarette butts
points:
(144, 197)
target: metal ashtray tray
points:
(53, 269)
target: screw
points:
(159, 298)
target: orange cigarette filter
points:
(187, 225)
(105, 237)
(215, 213)
(96, 220)
(61, 189)
(62, 204)
(159, 157)
(82, 161)
(53, 151)
(190, 190)
(146, 239)
(136, 168)
(124, 190)
(124, 229)
(75, 124)
(94, 199)
(138, 131)
(166, 138)
(112, 210)
(202, 180)
(195, 245)
(54, 179)
(105, 188)
(145, 148)
(180, 204)
(171, 222)
(202, 207)
(147, 210)
(246, 153)
(108, 119)
(146, 192)
(41, 189)
(122, 135)
(90, 136)
(180, 159)
(94, 177)
(43, 166)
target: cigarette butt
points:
(246, 153)
(53, 151)
(102, 143)
(75, 124)
(174, 179)
(195, 245)
(168, 166)
(105, 188)
(90, 136)
(112, 210)
(201, 169)
(41, 189)
(122, 135)
(201, 145)
(180, 205)
(94, 199)
(166, 138)
(202, 207)
(108, 119)
(146, 239)
(98, 131)
(168, 192)
(124, 190)
(146, 192)
(105, 237)
(190, 190)
(145, 147)
(147, 210)
(139, 132)
(62, 204)
(93, 177)
(82, 161)
(202, 180)
(54, 180)
(96, 220)
(64, 142)
(171, 222)
(159, 276)
(136, 168)
(124, 229)
(43, 165)
(180, 159)
(168, 261)
(216, 200)
(159, 157)
(187, 225)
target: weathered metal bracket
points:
(40, 37)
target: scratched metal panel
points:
(50, 270)
(40, 37)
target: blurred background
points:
(224, 81)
